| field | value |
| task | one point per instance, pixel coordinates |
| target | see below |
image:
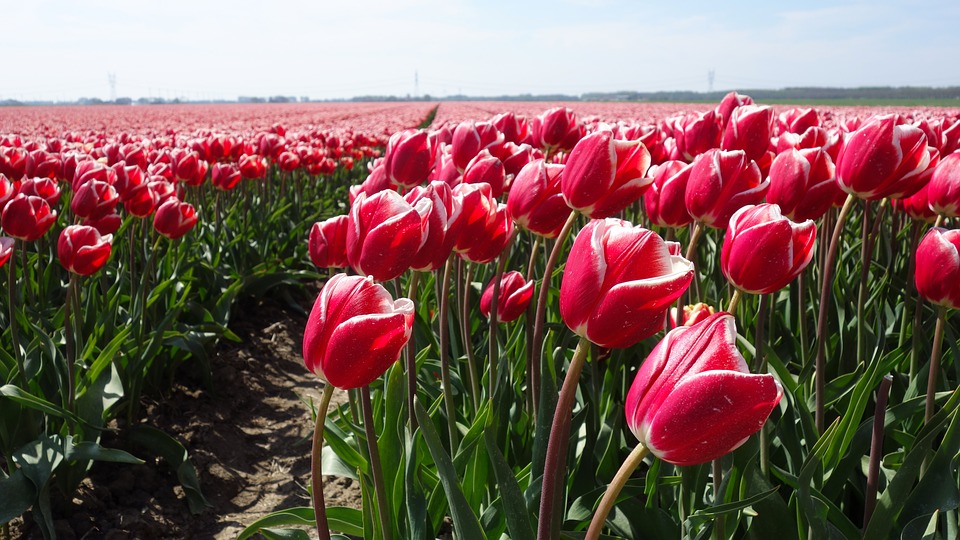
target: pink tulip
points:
(440, 210)
(696, 133)
(487, 226)
(938, 267)
(83, 250)
(721, 183)
(693, 398)
(94, 199)
(328, 243)
(46, 188)
(515, 295)
(750, 129)
(555, 130)
(797, 120)
(485, 168)
(355, 331)
(883, 159)
(730, 102)
(384, 234)
(618, 282)
(470, 138)
(603, 175)
(225, 176)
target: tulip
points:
(409, 158)
(603, 175)
(883, 159)
(917, 206)
(225, 176)
(89, 170)
(487, 227)
(469, 139)
(83, 250)
(42, 187)
(664, 201)
(384, 234)
(485, 168)
(141, 200)
(94, 199)
(730, 102)
(750, 129)
(938, 267)
(697, 133)
(803, 183)
(798, 120)
(721, 183)
(252, 166)
(27, 217)
(441, 213)
(355, 331)
(555, 130)
(693, 398)
(191, 169)
(328, 243)
(944, 188)
(105, 224)
(763, 251)
(692, 314)
(6, 249)
(288, 161)
(813, 137)
(515, 295)
(7, 191)
(515, 129)
(174, 219)
(618, 282)
(536, 202)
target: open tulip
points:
(763, 251)
(944, 188)
(693, 398)
(174, 219)
(883, 159)
(938, 267)
(535, 201)
(328, 243)
(603, 175)
(384, 234)
(27, 217)
(42, 187)
(355, 331)
(83, 250)
(618, 282)
(515, 295)
(721, 183)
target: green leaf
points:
(176, 455)
(14, 393)
(91, 451)
(519, 521)
(18, 495)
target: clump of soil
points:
(248, 437)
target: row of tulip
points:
(526, 452)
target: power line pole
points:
(416, 84)
(112, 79)
(711, 75)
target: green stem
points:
(494, 353)
(316, 472)
(69, 313)
(734, 301)
(445, 360)
(531, 397)
(472, 375)
(378, 485)
(866, 256)
(760, 363)
(876, 450)
(11, 303)
(555, 467)
(410, 354)
(934, 364)
(616, 485)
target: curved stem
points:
(734, 300)
(826, 285)
(467, 345)
(876, 449)
(445, 360)
(934, 364)
(694, 240)
(691, 255)
(410, 353)
(531, 397)
(616, 485)
(378, 485)
(316, 474)
(866, 256)
(939, 221)
(554, 469)
(71, 310)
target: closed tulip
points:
(917, 206)
(384, 234)
(486, 168)
(750, 129)
(83, 250)
(328, 243)
(696, 133)
(355, 331)
(883, 159)
(174, 219)
(515, 129)
(6, 249)
(618, 282)
(409, 158)
(487, 226)
(763, 251)
(804, 183)
(721, 183)
(693, 399)
(938, 267)
(603, 175)
(536, 202)
(42, 187)
(730, 102)
(798, 120)
(225, 176)
(469, 139)
(515, 295)
(664, 201)
(944, 188)
(555, 130)
(27, 217)
(105, 224)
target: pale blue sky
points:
(65, 49)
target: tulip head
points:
(27, 217)
(944, 187)
(603, 175)
(384, 234)
(535, 201)
(83, 250)
(515, 295)
(174, 219)
(883, 159)
(803, 183)
(6, 249)
(692, 314)
(938, 267)
(721, 183)
(664, 201)
(328, 243)
(409, 158)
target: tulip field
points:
(518, 320)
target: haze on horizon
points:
(61, 50)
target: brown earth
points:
(248, 436)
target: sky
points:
(62, 50)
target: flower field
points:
(490, 319)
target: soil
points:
(248, 437)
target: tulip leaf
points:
(416, 503)
(464, 520)
(176, 455)
(339, 518)
(18, 495)
(16, 394)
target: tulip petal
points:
(362, 348)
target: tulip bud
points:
(944, 187)
(486, 225)
(664, 201)
(693, 399)
(763, 251)
(618, 282)
(174, 219)
(288, 161)
(721, 183)
(27, 217)
(883, 159)
(536, 202)
(749, 129)
(730, 102)
(603, 175)
(469, 139)
(328, 243)
(697, 133)
(798, 120)
(484, 168)
(384, 234)
(813, 137)
(917, 206)
(105, 224)
(938, 267)
(355, 331)
(515, 296)
(515, 129)
(555, 130)
(141, 200)
(46, 188)
(225, 176)
(82, 250)
(252, 166)
(803, 183)
(409, 158)
(7, 191)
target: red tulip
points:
(938, 267)
(536, 202)
(225, 176)
(944, 188)
(46, 188)
(515, 129)
(603, 175)
(693, 399)
(750, 129)
(692, 314)
(555, 130)
(328, 243)
(355, 331)
(664, 201)
(440, 209)
(252, 166)
(696, 133)
(804, 183)
(763, 251)
(917, 206)
(92, 170)
(730, 102)
(485, 168)
(106, 224)
(191, 169)
(174, 219)
(83, 250)
(384, 234)
(798, 120)
(883, 159)
(813, 137)
(7, 191)
(515, 296)
(288, 161)
(27, 217)
(141, 200)
(721, 183)
(470, 138)
(486, 225)
(618, 282)
(409, 158)
(13, 162)
(6, 249)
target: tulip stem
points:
(494, 352)
(471, 359)
(826, 285)
(876, 449)
(445, 360)
(70, 310)
(695, 235)
(694, 240)
(410, 353)
(11, 305)
(378, 485)
(939, 221)
(541, 314)
(554, 468)
(528, 327)
(613, 490)
(316, 472)
(734, 300)
(934, 364)
(866, 256)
